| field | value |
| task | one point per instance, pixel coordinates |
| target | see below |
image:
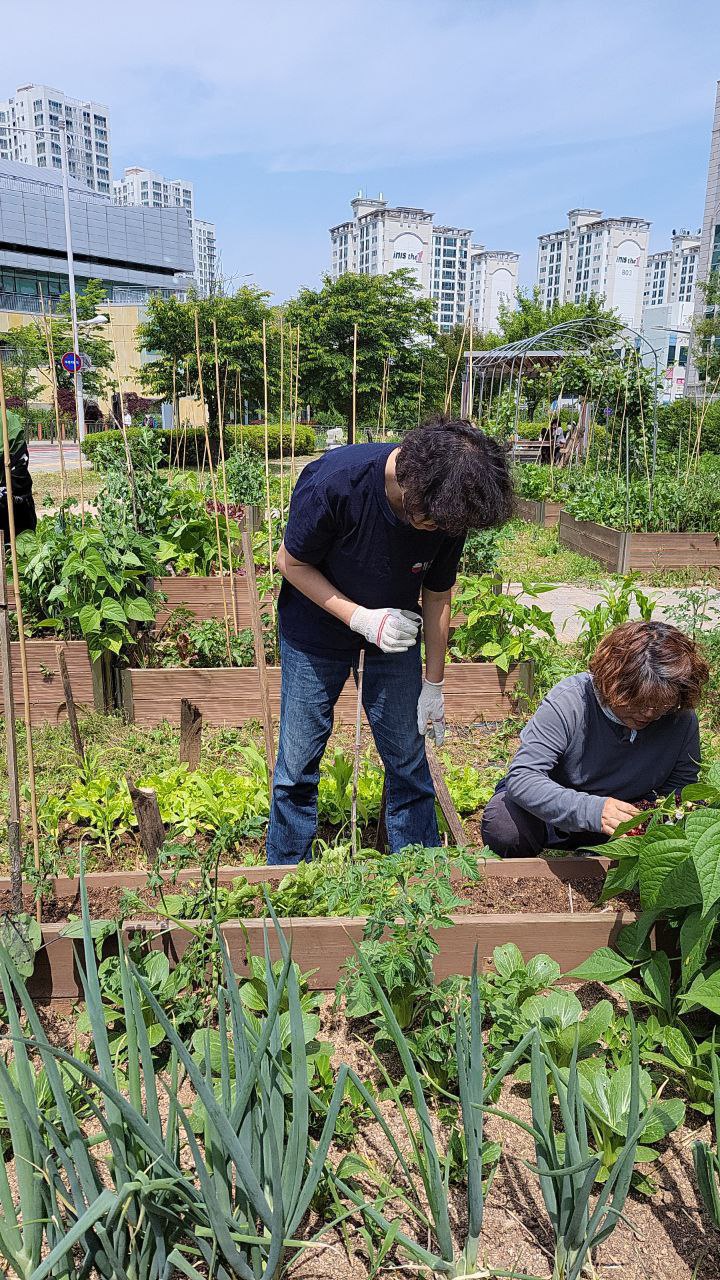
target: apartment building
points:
(30, 124)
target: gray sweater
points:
(573, 756)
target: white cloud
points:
(339, 86)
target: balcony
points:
(27, 302)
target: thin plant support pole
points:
(447, 382)
(213, 489)
(386, 397)
(258, 640)
(353, 420)
(267, 450)
(21, 636)
(296, 402)
(225, 492)
(627, 476)
(70, 702)
(15, 857)
(356, 757)
(47, 329)
(126, 442)
(420, 387)
(471, 379)
(281, 414)
(449, 395)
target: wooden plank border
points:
(559, 868)
(231, 696)
(323, 944)
(47, 699)
(620, 551)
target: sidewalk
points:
(564, 602)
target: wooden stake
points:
(233, 597)
(293, 427)
(444, 798)
(449, 391)
(16, 897)
(356, 757)
(213, 489)
(281, 415)
(420, 389)
(21, 633)
(190, 734)
(353, 424)
(70, 703)
(267, 452)
(150, 824)
(256, 623)
(126, 443)
(47, 329)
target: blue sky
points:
(499, 117)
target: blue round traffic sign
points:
(71, 362)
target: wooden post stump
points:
(190, 734)
(152, 830)
(70, 703)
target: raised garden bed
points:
(569, 936)
(47, 698)
(544, 513)
(621, 551)
(205, 597)
(231, 695)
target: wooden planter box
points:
(205, 597)
(231, 695)
(47, 699)
(620, 551)
(544, 513)
(323, 944)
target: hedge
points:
(253, 437)
(192, 442)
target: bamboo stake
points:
(281, 415)
(295, 415)
(47, 329)
(449, 394)
(354, 387)
(420, 389)
(471, 382)
(21, 636)
(258, 640)
(213, 490)
(126, 442)
(15, 858)
(356, 757)
(233, 584)
(267, 450)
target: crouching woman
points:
(601, 742)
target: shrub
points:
(253, 437)
(245, 478)
(187, 444)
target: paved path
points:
(45, 457)
(563, 603)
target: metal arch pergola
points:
(545, 350)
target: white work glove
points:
(431, 710)
(392, 630)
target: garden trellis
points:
(606, 346)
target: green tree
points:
(706, 333)
(97, 348)
(395, 335)
(169, 334)
(26, 353)
(529, 316)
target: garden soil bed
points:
(543, 512)
(474, 691)
(620, 551)
(565, 929)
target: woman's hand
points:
(614, 812)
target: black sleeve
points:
(443, 571)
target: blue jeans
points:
(310, 687)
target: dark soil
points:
(508, 897)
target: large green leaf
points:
(508, 959)
(21, 939)
(604, 965)
(90, 619)
(705, 839)
(112, 611)
(704, 991)
(139, 610)
(558, 1008)
(660, 855)
(696, 934)
(656, 976)
(621, 879)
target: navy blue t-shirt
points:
(341, 521)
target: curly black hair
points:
(455, 475)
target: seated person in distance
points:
(600, 742)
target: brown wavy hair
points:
(648, 663)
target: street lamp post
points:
(61, 129)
